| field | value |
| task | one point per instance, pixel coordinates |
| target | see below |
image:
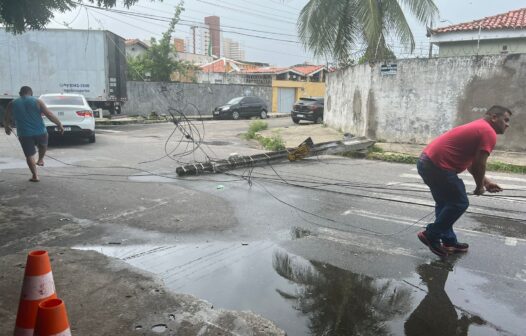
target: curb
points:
(113, 122)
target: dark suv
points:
(240, 107)
(310, 109)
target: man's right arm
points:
(478, 170)
(7, 119)
(50, 115)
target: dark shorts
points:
(29, 142)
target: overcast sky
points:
(272, 19)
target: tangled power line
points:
(186, 144)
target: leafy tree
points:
(20, 15)
(159, 60)
(347, 29)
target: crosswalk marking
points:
(491, 176)
(472, 183)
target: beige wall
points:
(486, 47)
(303, 89)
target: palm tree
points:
(345, 29)
(340, 302)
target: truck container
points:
(88, 62)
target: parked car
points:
(310, 109)
(240, 107)
(73, 112)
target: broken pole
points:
(332, 147)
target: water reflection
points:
(436, 314)
(339, 302)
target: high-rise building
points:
(233, 50)
(179, 45)
(214, 26)
(199, 40)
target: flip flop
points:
(40, 164)
(34, 180)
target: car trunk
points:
(304, 105)
(67, 114)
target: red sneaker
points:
(434, 247)
(457, 247)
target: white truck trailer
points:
(89, 62)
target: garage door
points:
(286, 98)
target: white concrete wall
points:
(191, 99)
(426, 97)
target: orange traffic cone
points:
(38, 286)
(52, 319)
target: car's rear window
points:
(307, 100)
(234, 101)
(62, 100)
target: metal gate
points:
(286, 98)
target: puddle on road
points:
(159, 328)
(153, 178)
(308, 297)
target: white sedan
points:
(74, 113)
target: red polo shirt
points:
(456, 149)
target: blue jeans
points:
(450, 196)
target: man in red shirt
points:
(464, 147)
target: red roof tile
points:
(265, 70)
(307, 69)
(216, 66)
(511, 20)
(130, 42)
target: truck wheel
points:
(296, 121)
(91, 139)
(263, 114)
(235, 115)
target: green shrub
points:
(375, 149)
(255, 126)
(273, 143)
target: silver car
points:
(74, 113)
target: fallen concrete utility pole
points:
(332, 147)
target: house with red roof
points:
(135, 47)
(288, 83)
(499, 34)
(291, 83)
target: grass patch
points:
(505, 167)
(377, 153)
(392, 157)
(363, 154)
(273, 143)
(254, 127)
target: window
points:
(234, 101)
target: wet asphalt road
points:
(326, 246)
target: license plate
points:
(300, 116)
(216, 112)
(66, 129)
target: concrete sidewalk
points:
(294, 135)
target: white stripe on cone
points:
(66, 332)
(38, 287)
